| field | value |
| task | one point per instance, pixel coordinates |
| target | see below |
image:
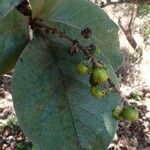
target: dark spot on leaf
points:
(21, 60)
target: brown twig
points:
(123, 99)
(113, 86)
(85, 49)
(128, 31)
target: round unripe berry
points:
(100, 75)
(116, 113)
(98, 50)
(130, 113)
(82, 68)
(97, 92)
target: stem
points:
(85, 49)
(114, 86)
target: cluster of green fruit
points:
(129, 113)
(98, 76)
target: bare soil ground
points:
(135, 86)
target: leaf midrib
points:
(65, 91)
(69, 106)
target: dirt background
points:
(134, 36)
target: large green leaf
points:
(13, 39)
(73, 15)
(6, 6)
(53, 102)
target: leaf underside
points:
(6, 6)
(52, 101)
(54, 105)
(13, 39)
(71, 16)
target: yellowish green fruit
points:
(82, 68)
(100, 75)
(130, 113)
(116, 113)
(98, 50)
(97, 92)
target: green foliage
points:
(41, 7)
(13, 39)
(6, 6)
(143, 9)
(11, 121)
(72, 16)
(24, 146)
(136, 96)
(54, 105)
(52, 101)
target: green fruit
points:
(116, 113)
(91, 81)
(97, 92)
(117, 116)
(98, 50)
(130, 113)
(82, 68)
(100, 75)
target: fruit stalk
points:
(85, 49)
(38, 23)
